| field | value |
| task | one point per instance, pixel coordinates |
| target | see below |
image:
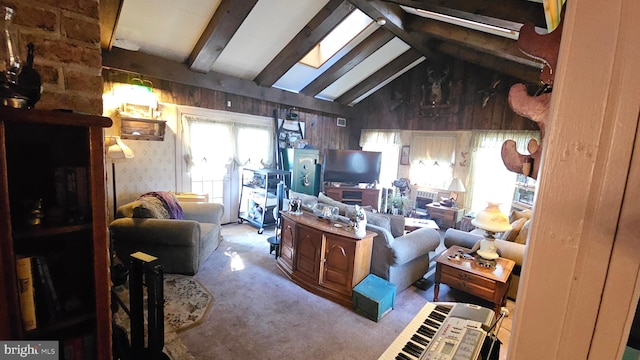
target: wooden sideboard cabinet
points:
(324, 259)
(354, 195)
(445, 216)
(54, 222)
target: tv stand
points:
(354, 195)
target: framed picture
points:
(404, 155)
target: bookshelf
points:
(53, 213)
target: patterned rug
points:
(186, 302)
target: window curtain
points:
(433, 148)
(244, 144)
(379, 137)
(388, 143)
(488, 176)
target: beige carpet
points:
(186, 304)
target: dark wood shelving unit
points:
(70, 232)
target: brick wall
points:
(66, 35)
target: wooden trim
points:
(153, 66)
(326, 20)
(387, 71)
(572, 278)
(358, 54)
(218, 33)
(109, 16)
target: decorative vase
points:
(360, 222)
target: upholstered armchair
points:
(181, 245)
(398, 257)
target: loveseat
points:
(399, 258)
(181, 237)
(511, 244)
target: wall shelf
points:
(142, 129)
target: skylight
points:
(346, 31)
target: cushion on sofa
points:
(512, 234)
(524, 232)
(343, 209)
(519, 214)
(308, 201)
(149, 208)
(378, 219)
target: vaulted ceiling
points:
(254, 47)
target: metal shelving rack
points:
(259, 194)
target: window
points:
(346, 31)
(432, 158)
(490, 179)
(388, 143)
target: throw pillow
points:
(378, 219)
(397, 225)
(149, 207)
(524, 214)
(512, 234)
(524, 232)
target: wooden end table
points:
(466, 275)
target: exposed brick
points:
(70, 100)
(82, 82)
(48, 74)
(66, 52)
(82, 30)
(36, 17)
(88, 8)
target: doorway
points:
(213, 146)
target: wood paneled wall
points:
(320, 128)
(398, 104)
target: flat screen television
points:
(352, 166)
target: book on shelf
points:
(26, 292)
(72, 192)
(47, 304)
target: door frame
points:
(232, 181)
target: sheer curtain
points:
(432, 158)
(388, 143)
(489, 178)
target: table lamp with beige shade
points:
(491, 220)
(456, 187)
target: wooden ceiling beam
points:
(519, 71)
(326, 20)
(109, 15)
(218, 33)
(157, 67)
(386, 72)
(396, 18)
(354, 57)
(497, 46)
(517, 11)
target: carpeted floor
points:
(259, 313)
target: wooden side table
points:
(466, 275)
(445, 216)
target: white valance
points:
(373, 136)
(433, 148)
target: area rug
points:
(186, 303)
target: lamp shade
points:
(492, 219)
(116, 149)
(456, 186)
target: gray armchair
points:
(181, 245)
(402, 260)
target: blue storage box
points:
(374, 297)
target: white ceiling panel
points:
(267, 30)
(166, 28)
(373, 63)
(301, 75)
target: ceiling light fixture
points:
(381, 21)
(475, 25)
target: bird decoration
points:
(489, 92)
